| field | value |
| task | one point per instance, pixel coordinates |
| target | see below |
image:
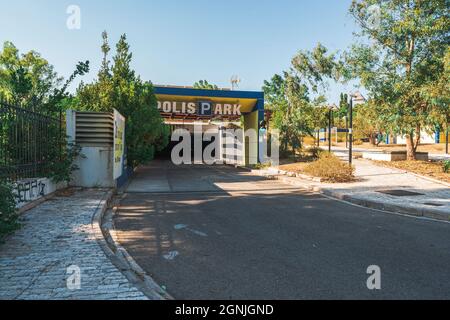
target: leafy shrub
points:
(8, 213)
(447, 166)
(315, 152)
(358, 142)
(62, 167)
(330, 168)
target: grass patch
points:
(298, 167)
(435, 170)
(327, 166)
(330, 168)
(259, 166)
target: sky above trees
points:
(179, 42)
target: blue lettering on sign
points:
(205, 108)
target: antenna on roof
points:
(235, 80)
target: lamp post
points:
(350, 131)
(446, 140)
(330, 116)
(346, 131)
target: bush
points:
(8, 213)
(315, 152)
(447, 166)
(62, 165)
(330, 168)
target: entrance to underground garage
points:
(226, 121)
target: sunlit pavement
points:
(56, 256)
(221, 233)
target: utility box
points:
(97, 135)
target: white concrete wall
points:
(388, 156)
(382, 156)
(29, 190)
(96, 168)
(424, 138)
(95, 163)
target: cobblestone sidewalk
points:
(56, 235)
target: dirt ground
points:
(433, 170)
(431, 148)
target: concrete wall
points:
(392, 156)
(95, 162)
(96, 168)
(424, 138)
(29, 190)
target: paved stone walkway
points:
(433, 200)
(56, 235)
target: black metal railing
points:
(30, 142)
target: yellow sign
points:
(119, 142)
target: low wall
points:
(29, 190)
(96, 168)
(392, 155)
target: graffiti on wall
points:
(29, 190)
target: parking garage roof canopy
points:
(249, 101)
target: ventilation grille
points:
(94, 129)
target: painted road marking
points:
(171, 255)
(185, 227)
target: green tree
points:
(401, 60)
(203, 84)
(297, 97)
(316, 68)
(25, 78)
(118, 87)
(276, 102)
(30, 81)
(437, 95)
(367, 123)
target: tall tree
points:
(316, 69)
(276, 101)
(118, 87)
(29, 80)
(403, 55)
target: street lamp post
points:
(330, 114)
(330, 118)
(346, 131)
(350, 132)
(446, 140)
(359, 99)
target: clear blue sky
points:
(181, 41)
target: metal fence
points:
(30, 143)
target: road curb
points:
(123, 260)
(371, 204)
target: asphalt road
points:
(220, 233)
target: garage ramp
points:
(162, 176)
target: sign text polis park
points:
(203, 108)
